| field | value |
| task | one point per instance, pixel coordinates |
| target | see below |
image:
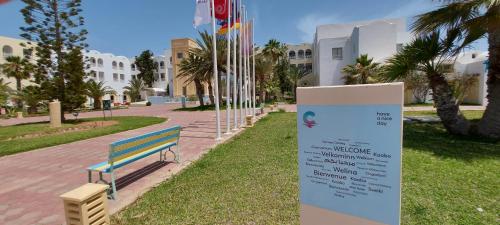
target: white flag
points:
(202, 14)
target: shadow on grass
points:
(434, 138)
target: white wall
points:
(329, 68)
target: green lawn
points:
(253, 179)
(470, 114)
(8, 147)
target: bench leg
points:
(113, 186)
(90, 176)
(176, 154)
(161, 156)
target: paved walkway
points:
(31, 182)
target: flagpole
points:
(235, 77)
(247, 90)
(242, 22)
(253, 66)
(245, 61)
(228, 71)
(215, 72)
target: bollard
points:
(183, 101)
(20, 115)
(87, 205)
(249, 120)
(55, 114)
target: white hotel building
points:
(338, 45)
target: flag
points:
(248, 30)
(202, 13)
(223, 29)
(221, 9)
(3, 1)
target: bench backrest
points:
(125, 148)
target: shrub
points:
(148, 103)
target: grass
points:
(253, 179)
(469, 114)
(8, 147)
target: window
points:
(399, 47)
(447, 68)
(308, 53)
(170, 59)
(291, 55)
(337, 53)
(132, 67)
(92, 61)
(474, 55)
(180, 55)
(101, 76)
(301, 67)
(133, 77)
(7, 51)
(100, 63)
(115, 77)
(162, 76)
(120, 65)
(122, 77)
(157, 76)
(114, 64)
(309, 67)
(301, 54)
(162, 65)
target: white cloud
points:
(412, 8)
(308, 23)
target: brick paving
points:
(31, 182)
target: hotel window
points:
(399, 47)
(337, 53)
(93, 74)
(301, 54)
(120, 65)
(291, 55)
(308, 53)
(92, 61)
(122, 77)
(100, 63)
(115, 77)
(309, 67)
(180, 55)
(133, 77)
(162, 76)
(7, 51)
(114, 64)
(162, 65)
(101, 76)
(132, 67)
(156, 76)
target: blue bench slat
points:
(128, 140)
(138, 147)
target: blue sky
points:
(126, 27)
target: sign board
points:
(106, 104)
(350, 154)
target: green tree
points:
(147, 66)
(295, 74)
(275, 50)
(96, 90)
(5, 92)
(54, 28)
(364, 71)
(74, 76)
(427, 54)
(32, 97)
(134, 89)
(281, 73)
(190, 69)
(263, 75)
(472, 20)
(17, 68)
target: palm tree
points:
(295, 74)
(31, 96)
(134, 89)
(96, 90)
(427, 54)
(190, 69)
(263, 72)
(5, 91)
(363, 71)
(18, 68)
(275, 50)
(472, 20)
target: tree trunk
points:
(489, 126)
(199, 91)
(447, 107)
(18, 84)
(211, 93)
(97, 103)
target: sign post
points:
(350, 140)
(106, 105)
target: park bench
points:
(129, 150)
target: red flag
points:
(221, 9)
(4, 1)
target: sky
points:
(127, 27)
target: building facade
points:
(12, 47)
(338, 45)
(180, 50)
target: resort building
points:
(12, 47)
(180, 49)
(338, 45)
(162, 75)
(301, 56)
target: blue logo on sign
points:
(309, 119)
